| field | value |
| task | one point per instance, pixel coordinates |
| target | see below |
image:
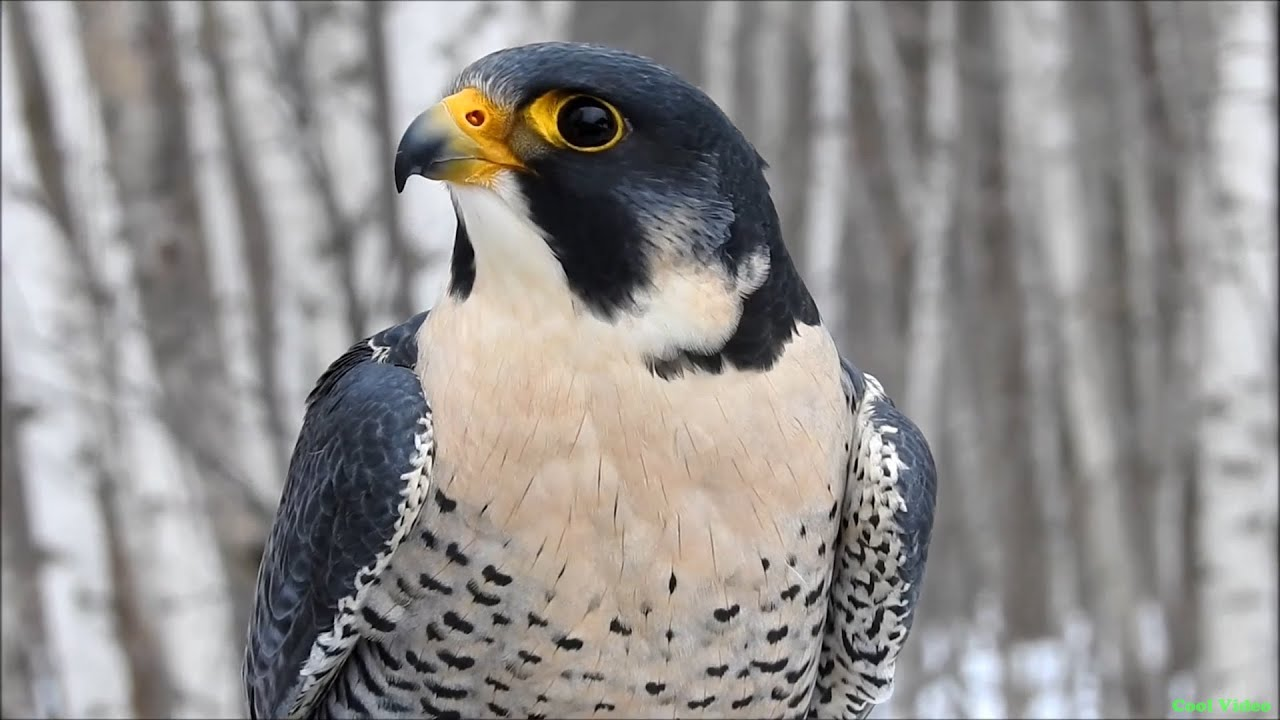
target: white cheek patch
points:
(690, 304)
(693, 306)
(688, 309)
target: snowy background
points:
(1049, 227)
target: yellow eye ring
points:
(577, 122)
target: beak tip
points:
(404, 169)
(428, 142)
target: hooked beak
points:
(461, 139)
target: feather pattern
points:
(358, 477)
(882, 547)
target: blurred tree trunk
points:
(1168, 411)
(827, 191)
(258, 248)
(1128, 99)
(554, 18)
(1181, 38)
(404, 262)
(1041, 554)
(133, 63)
(932, 189)
(92, 551)
(894, 271)
(768, 79)
(982, 349)
(986, 356)
(776, 111)
(1106, 191)
(892, 98)
(31, 687)
(719, 54)
(868, 264)
(865, 271)
(240, 526)
(1150, 417)
(1237, 383)
(673, 41)
(791, 172)
(1039, 37)
(290, 53)
(888, 158)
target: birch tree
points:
(828, 145)
(1236, 536)
(291, 31)
(1182, 38)
(931, 197)
(239, 517)
(257, 246)
(1041, 412)
(90, 671)
(31, 687)
(133, 62)
(1139, 229)
(1036, 35)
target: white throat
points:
(514, 264)
(522, 294)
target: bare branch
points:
(288, 70)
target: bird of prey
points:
(620, 467)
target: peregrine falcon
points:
(620, 468)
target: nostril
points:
(475, 118)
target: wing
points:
(359, 473)
(883, 545)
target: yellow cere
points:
(489, 127)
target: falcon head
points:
(600, 182)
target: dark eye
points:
(587, 124)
